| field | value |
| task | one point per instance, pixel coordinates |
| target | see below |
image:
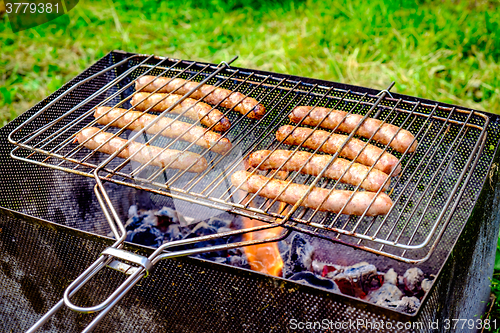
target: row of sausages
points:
(159, 94)
(365, 157)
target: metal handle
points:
(108, 253)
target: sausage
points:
(318, 198)
(190, 108)
(180, 160)
(167, 127)
(228, 99)
(368, 156)
(332, 118)
(291, 161)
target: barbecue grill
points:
(441, 192)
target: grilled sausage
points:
(180, 160)
(215, 95)
(190, 108)
(332, 118)
(318, 198)
(368, 155)
(291, 161)
(165, 126)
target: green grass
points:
(447, 51)
(442, 50)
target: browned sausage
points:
(180, 160)
(190, 108)
(165, 126)
(332, 118)
(291, 161)
(215, 95)
(368, 155)
(318, 197)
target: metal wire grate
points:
(425, 194)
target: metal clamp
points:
(128, 256)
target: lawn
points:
(441, 50)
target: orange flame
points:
(264, 258)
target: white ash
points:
(426, 285)
(412, 278)
(391, 277)
(357, 272)
(132, 211)
(385, 295)
(389, 292)
(408, 304)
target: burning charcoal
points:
(324, 269)
(412, 279)
(134, 222)
(313, 280)
(203, 229)
(385, 295)
(218, 260)
(219, 223)
(299, 257)
(150, 218)
(132, 211)
(391, 277)
(329, 271)
(238, 261)
(359, 279)
(165, 217)
(223, 229)
(145, 234)
(283, 247)
(408, 304)
(173, 232)
(235, 252)
(426, 285)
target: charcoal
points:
(218, 260)
(219, 223)
(412, 281)
(173, 232)
(391, 277)
(326, 270)
(238, 261)
(283, 247)
(146, 234)
(132, 211)
(413, 277)
(134, 222)
(313, 280)
(165, 217)
(426, 285)
(385, 295)
(203, 229)
(299, 257)
(358, 280)
(238, 251)
(407, 304)
(223, 229)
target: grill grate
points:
(426, 194)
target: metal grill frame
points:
(290, 215)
